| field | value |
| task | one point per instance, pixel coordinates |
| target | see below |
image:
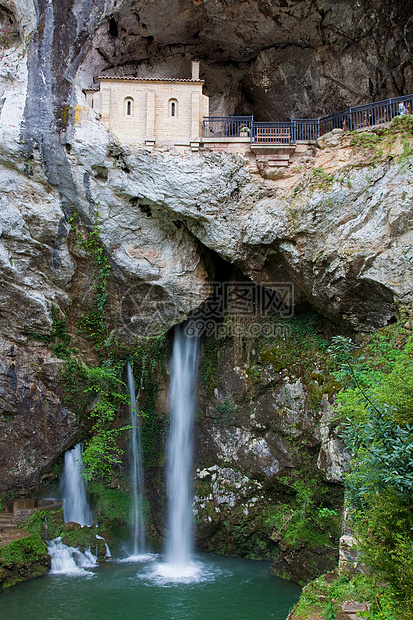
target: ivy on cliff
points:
(93, 324)
(97, 393)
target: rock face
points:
(320, 57)
(261, 431)
(34, 426)
(333, 230)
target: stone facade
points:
(150, 111)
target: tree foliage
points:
(377, 401)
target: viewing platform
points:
(243, 133)
(158, 112)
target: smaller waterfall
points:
(182, 403)
(108, 553)
(75, 504)
(137, 479)
(68, 560)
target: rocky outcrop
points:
(338, 232)
(255, 421)
(23, 559)
(35, 427)
(261, 448)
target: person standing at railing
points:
(402, 109)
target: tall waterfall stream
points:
(182, 397)
(137, 478)
(69, 560)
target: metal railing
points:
(271, 133)
(306, 130)
(361, 116)
(227, 126)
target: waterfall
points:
(108, 553)
(137, 479)
(75, 504)
(182, 396)
(68, 560)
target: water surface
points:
(224, 589)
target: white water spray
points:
(68, 560)
(108, 553)
(182, 402)
(75, 504)
(137, 479)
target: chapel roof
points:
(147, 79)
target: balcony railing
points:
(305, 130)
(227, 126)
(271, 133)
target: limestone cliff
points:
(335, 226)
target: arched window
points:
(173, 107)
(128, 107)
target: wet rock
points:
(333, 458)
(303, 565)
(35, 426)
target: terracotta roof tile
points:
(147, 79)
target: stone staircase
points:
(349, 610)
(6, 521)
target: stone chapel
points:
(152, 111)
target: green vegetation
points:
(323, 177)
(305, 522)
(107, 390)
(22, 559)
(64, 115)
(300, 348)
(211, 357)
(111, 504)
(92, 324)
(377, 402)
(378, 145)
(226, 413)
(58, 338)
(322, 597)
(9, 36)
(98, 395)
(369, 143)
(27, 549)
(97, 392)
(50, 523)
(309, 518)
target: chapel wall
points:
(151, 117)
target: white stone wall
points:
(151, 118)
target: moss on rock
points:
(23, 559)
